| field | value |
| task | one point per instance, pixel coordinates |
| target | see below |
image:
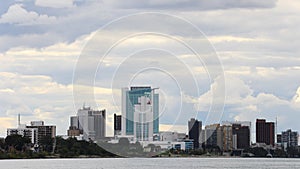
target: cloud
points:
(6, 122)
(26, 60)
(219, 39)
(55, 3)
(296, 98)
(16, 14)
(243, 104)
(39, 97)
(191, 4)
(260, 56)
(35, 97)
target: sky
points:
(53, 53)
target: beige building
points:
(227, 138)
(214, 135)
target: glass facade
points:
(132, 97)
(189, 145)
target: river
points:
(152, 163)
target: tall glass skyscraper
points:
(137, 104)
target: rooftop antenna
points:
(19, 120)
(276, 130)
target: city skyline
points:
(40, 44)
(86, 128)
(137, 126)
(253, 129)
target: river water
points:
(151, 163)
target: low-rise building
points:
(73, 131)
(31, 133)
(35, 132)
(171, 136)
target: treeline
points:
(258, 152)
(18, 147)
(125, 149)
(290, 152)
(71, 148)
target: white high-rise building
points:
(143, 120)
(90, 123)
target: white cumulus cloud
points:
(16, 14)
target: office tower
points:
(90, 123)
(73, 130)
(265, 132)
(43, 130)
(289, 138)
(241, 136)
(140, 110)
(214, 136)
(195, 128)
(117, 124)
(74, 121)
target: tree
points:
(71, 147)
(258, 151)
(124, 142)
(292, 152)
(17, 141)
(46, 143)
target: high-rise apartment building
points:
(140, 111)
(227, 138)
(43, 130)
(265, 132)
(289, 138)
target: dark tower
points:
(195, 128)
(117, 124)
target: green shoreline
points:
(17, 147)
